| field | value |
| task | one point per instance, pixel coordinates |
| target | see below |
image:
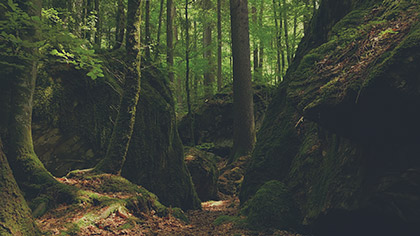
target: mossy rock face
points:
(213, 120)
(155, 158)
(71, 119)
(79, 130)
(342, 130)
(204, 173)
(272, 206)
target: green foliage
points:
(66, 47)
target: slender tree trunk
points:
(88, 13)
(119, 33)
(283, 59)
(243, 127)
(261, 51)
(187, 73)
(255, 44)
(295, 23)
(278, 43)
(196, 76)
(157, 51)
(219, 45)
(284, 10)
(98, 33)
(207, 40)
(124, 124)
(147, 36)
(15, 215)
(170, 39)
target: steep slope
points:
(342, 132)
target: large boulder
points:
(342, 131)
(213, 120)
(204, 172)
(74, 132)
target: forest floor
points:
(91, 219)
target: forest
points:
(210, 117)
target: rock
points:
(232, 176)
(342, 134)
(204, 173)
(213, 120)
(79, 131)
(272, 206)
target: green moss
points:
(179, 214)
(225, 219)
(272, 207)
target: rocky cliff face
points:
(342, 132)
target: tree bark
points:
(15, 215)
(98, 25)
(187, 74)
(119, 32)
(284, 10)
(207, 41)
(124, 124)
(219, 45)
(278, 43)
(157, 51)
(243, 127)
(170, 39)
(16, 118)
(261, 51)
(147, 36)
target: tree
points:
(124, 124)
(219, 45)
(120, 25)
(243, 109)
(207, 41)
(15, 215)
(170, 39)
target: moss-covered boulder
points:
(204, 173)
(155, 158)
(213, 120)
(272, 206)
(75, 133)
(231, 176)
(342, 130)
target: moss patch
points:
(272, 206)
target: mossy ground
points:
(107, 205)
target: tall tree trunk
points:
(170, 39)
(147, 36)
(16, 119)
(187, 74)
(157, 51)
(119, 32)
(284, 11)
(15, 215)
(207, 31)
(124, 124)
(261, 51)
(243, 126)
(283, 59)
(278, 43)
(294, 41)
(219, 45)
(88, 10)
(255, 44)
(196, 76)
(98, 25)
